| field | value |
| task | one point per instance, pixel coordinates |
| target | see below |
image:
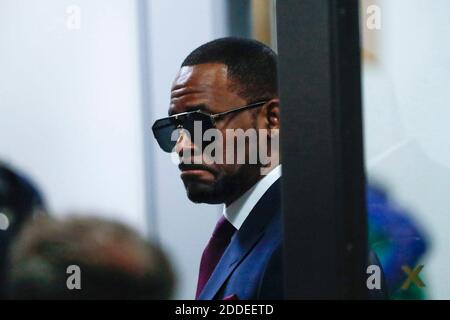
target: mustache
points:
(192, 166)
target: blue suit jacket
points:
(251, 266)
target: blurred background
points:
(82, 81)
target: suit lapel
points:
(244, 240)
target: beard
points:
(206, 192)
(225, 188)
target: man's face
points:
(208, 87)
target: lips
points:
(195, 167)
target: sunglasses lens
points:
(197, 123)
(166, 131)
(162, 130)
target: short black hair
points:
(251, 64)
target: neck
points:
(241, 186)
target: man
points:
(86, 258)
(230, 84)
(235, 81)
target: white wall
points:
(71, 111)
(70, 104)
(406, 121)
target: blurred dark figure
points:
(19, 200)
(113, 260)
(397, 240)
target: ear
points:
(272, 114)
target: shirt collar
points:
(238, 211)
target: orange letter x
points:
(413, 276)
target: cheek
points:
(234, 149)
(227, 171)
(239, 138)
(241, 150)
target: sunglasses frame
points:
(213, 117)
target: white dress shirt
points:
(238, 211)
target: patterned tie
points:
(213, 252)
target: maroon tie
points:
(213, 252)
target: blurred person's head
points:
(19, 201)
(114, 262)
(217, 77)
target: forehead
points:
(204, 84)
(207, 75)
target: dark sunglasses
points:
(163, 128)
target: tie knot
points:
(224, 230)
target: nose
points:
(184, 143)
